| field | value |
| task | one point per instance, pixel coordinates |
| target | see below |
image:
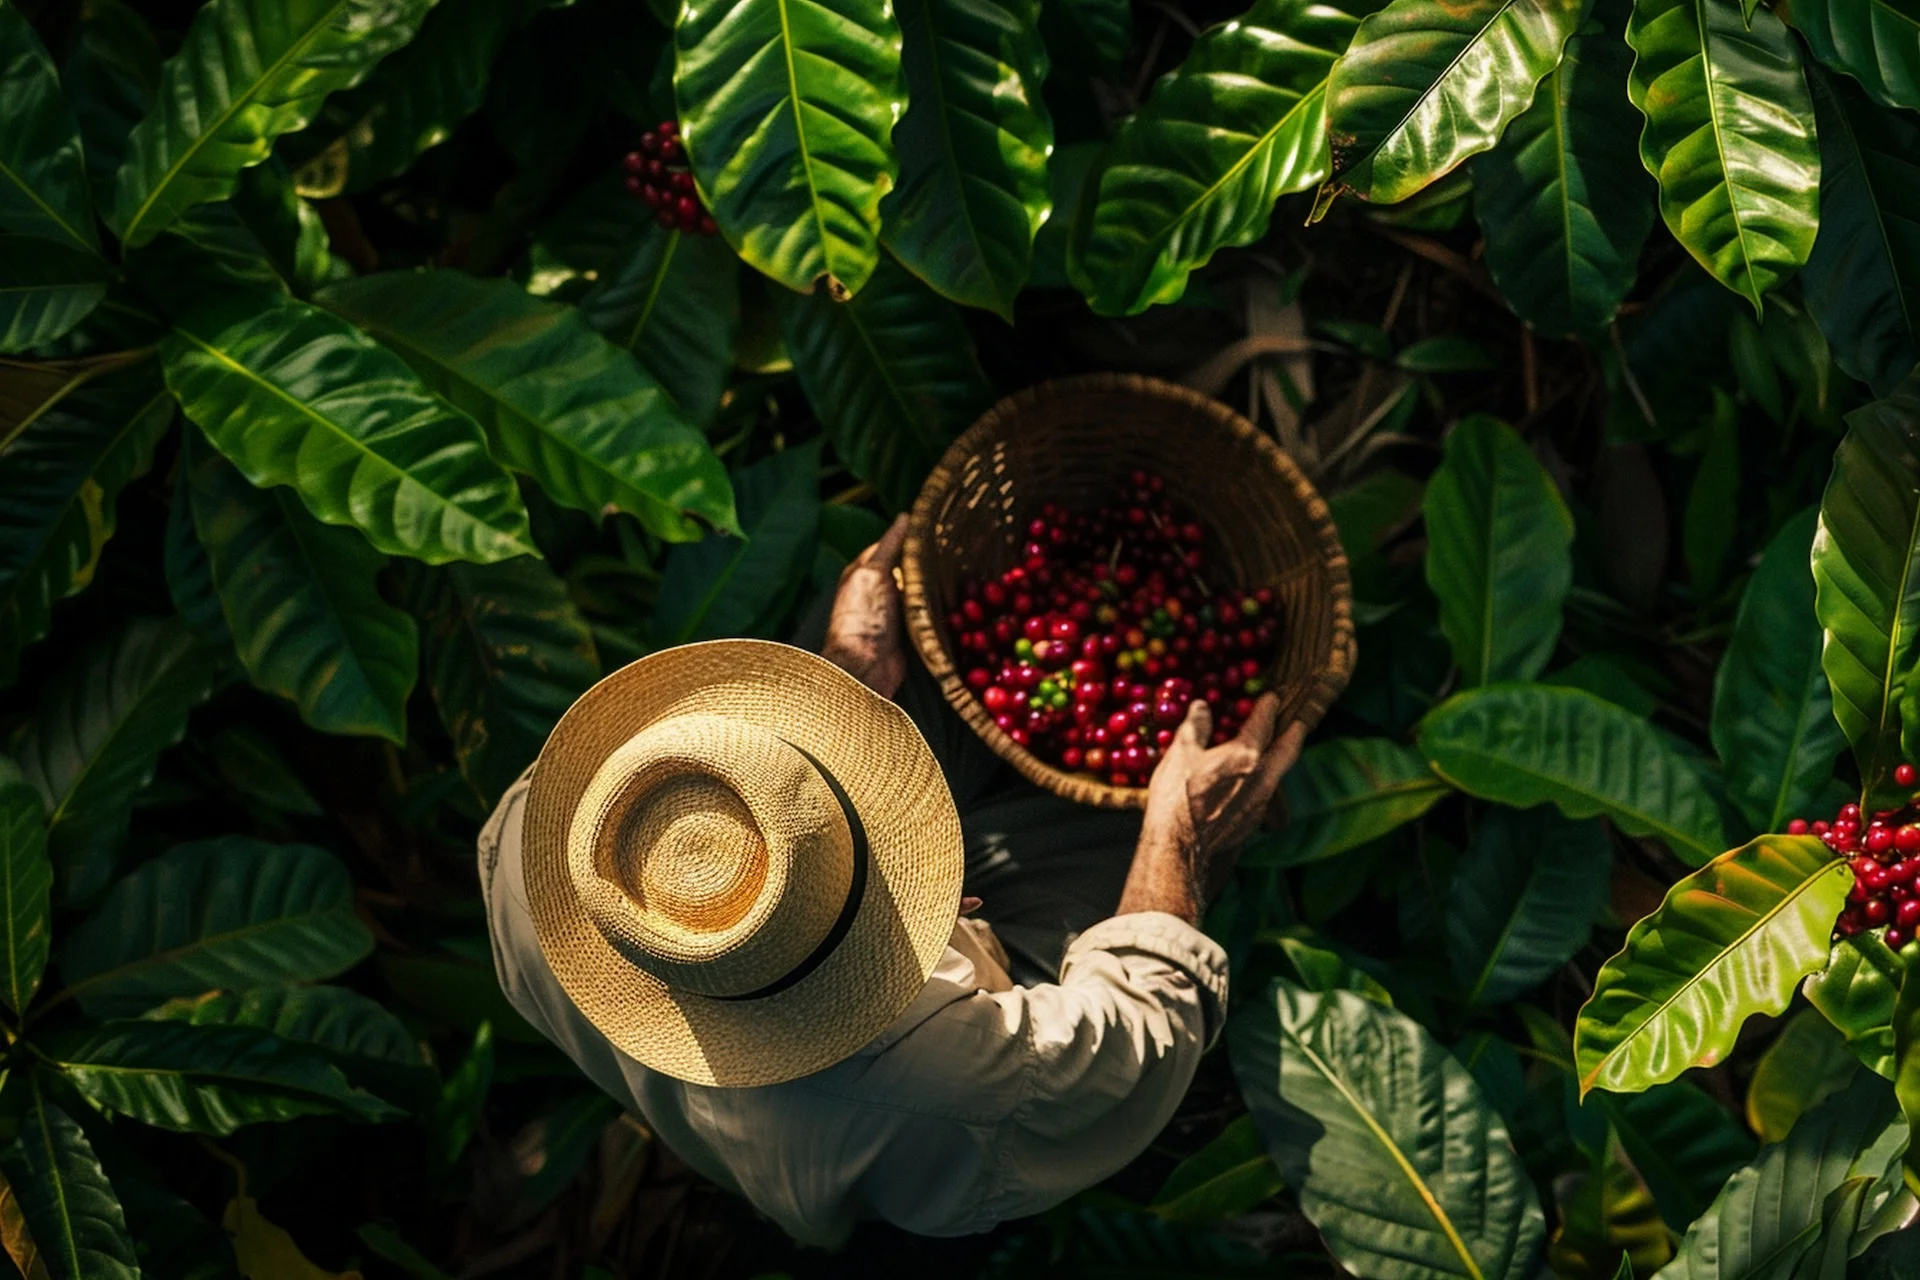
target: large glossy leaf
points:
(1230, 1176)
(788, 107)
(724, 586)
(1856, 992)
(1877, 42)
(295, 396)
(413, 100)
(1866, 571)
(1773, 722)
(229, 913)
(65, 1198)
(891, 374)
(1729, 137)
(45, 290)
(559, 403)
(1499, 552)
(1770, 1213)
(1425, 85)
(1561, 197)
(1238, 124)
(358, 1035)
(1862, 282)
(210, 1080)
(102, 723)
(43, 178)
(302, 603)
(1397, 1157)
(673, 300)
(1343, 793)
(1731, 940)
(1806, 1063)
(26, 886)
(1523, 900)
(1523, 745)
(247, 72)
(60, 482)
(506, 653)
(973, 148)
(1681, 1139)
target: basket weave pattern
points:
(1074, 442)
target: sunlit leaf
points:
(1808, 1061)
(1231, 1175)
(1856, 992)
(1877, 42)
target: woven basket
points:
(1073, 442)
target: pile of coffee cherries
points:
(657, 173)
(1089, 651)
(1884, 850)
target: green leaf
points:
(1323, 965)
(1866, 571)
(1713, 498)
(1773, 724)
(1605, 1212)
(102, 723)
(1095, 32)
(1499, 552)
(787, 107)
(1806, 1063)
(892, 376)
(295, 396)
(1230, 1176)
(1731, 940)
(1523, 900)
(302, 603)
(673, 300)
(1862, 281)
(60, 480)
(1238, 124)
(370, 1045)
(1906, 1071)
(725, 586)
(1729, 137)
(1343, 793)
(1398, 1160)
(973, 149)
(26, 887)
(1683, 1142)
(229, 913)
(43, 177)
(247, 72)
(506, 653)
(1771, 1212)
(209, 1080)
(45, 290)
(1425, 85)
(1523, 745)
(1856, 992)
(559, 403)
(65, 1198)
(1561, 198)
(414, 99)
(1877, 42)
(463, 1098)
(112, 70)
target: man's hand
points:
(865, 635)
(1201, 804)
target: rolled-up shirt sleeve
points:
(1086, 1072)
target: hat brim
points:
(912, 887)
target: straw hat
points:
(742, 863)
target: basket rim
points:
(1326, 680)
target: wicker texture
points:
(1074, 442)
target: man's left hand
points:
(866, 634)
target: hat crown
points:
(711, 853)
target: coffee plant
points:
(376, 374)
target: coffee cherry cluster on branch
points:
(1089, 651)
(1884, 851)
(657, 173)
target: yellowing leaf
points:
(265, 1251)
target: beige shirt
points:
(983, 1101)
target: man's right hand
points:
(1202, 803)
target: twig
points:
(1626, 374)
(1441, 256)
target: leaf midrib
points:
(932, 447)
(800, 137)
(1720, 147)
(209, 942)
(1392, 1148)
(67, 1240)
(1883, 238)
(220, 120)
(654, 288)
(1760, 922)
(12, 175)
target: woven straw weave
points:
(1074, 442)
